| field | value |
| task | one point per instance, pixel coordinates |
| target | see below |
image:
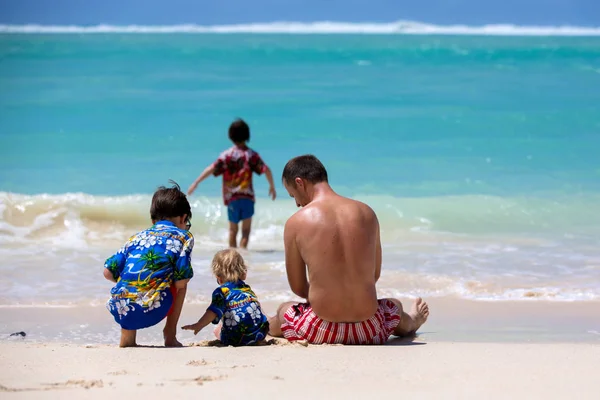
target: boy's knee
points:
(233, 228)
(245, 232)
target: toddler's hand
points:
(193, 327)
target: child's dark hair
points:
(169, 203)
(239, 131)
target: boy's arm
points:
(115, 264)
(109, 275)
(208, 171)
(170, 330)
(269, 177)
(182, 274)
(206, 319)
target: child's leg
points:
(246, 227)
(217, 331)
(128, 338)
(233, 231)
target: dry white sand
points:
(508, 350)
(438, 370)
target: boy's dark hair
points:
(306, 167)
(239, 131)
(169, 203)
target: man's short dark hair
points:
(169, 203)
(239, 131)
(307, 167)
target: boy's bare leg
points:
(246, 226)
(233, 231)
(170, 331)
(128, 338)
(411, 321)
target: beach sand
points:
(467, 350)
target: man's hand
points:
(194, 327)
(272, 192)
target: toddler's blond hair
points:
(229, 265)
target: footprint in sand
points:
(196, 363)
(123, 372)
(201, 379)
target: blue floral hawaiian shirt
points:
(146, 268)
(243, 320)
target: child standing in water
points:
(233, 301)
(152, 269)
(237, 164)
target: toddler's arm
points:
(206, 319)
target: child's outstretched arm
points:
(208, 171)
(206, 319)
(269, 177)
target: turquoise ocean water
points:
(480, 153)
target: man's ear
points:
(298, 182)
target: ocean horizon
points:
(406, 27)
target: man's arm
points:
(294, 264)
(208, 171)
(377, 252)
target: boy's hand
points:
(272, 192)
(191, 189)
(193, 327)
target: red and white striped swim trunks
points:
(301, 323)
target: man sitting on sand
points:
(336, 240)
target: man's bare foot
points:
(419, 313)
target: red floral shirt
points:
(237, 165)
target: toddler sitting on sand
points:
(233, 301)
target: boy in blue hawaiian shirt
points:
(152, 269)
(233, 301)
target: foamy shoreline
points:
(451, 320)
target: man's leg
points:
(128, 338)
(411, 321)
(246, 227)
(233, 231)
(276, 321)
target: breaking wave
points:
(320, 27)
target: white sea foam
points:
(320, 27)
(474, 247)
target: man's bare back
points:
(338, 239)
(333, 259)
